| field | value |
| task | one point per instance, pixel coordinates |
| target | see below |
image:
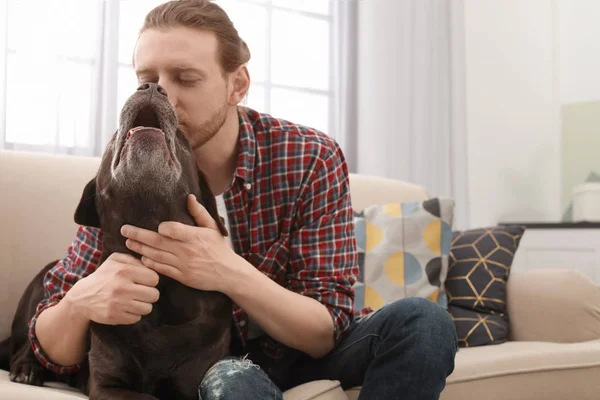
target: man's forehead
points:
(177, 48)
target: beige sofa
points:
(554, 352)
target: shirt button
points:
(242, 324)
(248, 186)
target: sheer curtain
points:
(344, 38)
(400, 67)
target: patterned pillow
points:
(480, 262)
(403, 251)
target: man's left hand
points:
(196, 256)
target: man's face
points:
(185, 63)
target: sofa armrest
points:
(560, 306)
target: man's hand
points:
(197, 256)
(119, 292)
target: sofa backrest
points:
(38, 196)
(367, 190)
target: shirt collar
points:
(247, 146)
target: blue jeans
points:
(403, 350)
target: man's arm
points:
(317, 307)
(57, 333)
(62, 333)
(288, 317)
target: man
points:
(291, 262)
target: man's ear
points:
(238, 85)
(207, 199)
(86, 212)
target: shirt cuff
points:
(37, 348)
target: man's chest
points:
(259, 221)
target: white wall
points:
(512, 111)
(579, 33)
(579, 38)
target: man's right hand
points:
(119, 292)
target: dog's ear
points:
(86, 212)
(210, 203)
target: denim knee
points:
(239, 379)
(426, 319)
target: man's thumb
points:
(201, 216)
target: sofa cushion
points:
(526, 371)
(403, 251)
(561, 305)
(367, 190)
(480, 262)
(52, 391)
(316, 390)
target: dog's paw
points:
(28, 374)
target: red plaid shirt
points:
(290, 216)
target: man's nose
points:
(152, 87)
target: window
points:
(48, 72)
(65, 74)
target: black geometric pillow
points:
(480, 262)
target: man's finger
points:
(145, 236)
(137, 307)
(163, 269)
(145, 293)
(201, 216)
(176, 230)
(125, 259)
(163, 256)
(143, 276)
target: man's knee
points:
(235, 378)
(424, 318)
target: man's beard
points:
(199, 135)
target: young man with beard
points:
(291, 261)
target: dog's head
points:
(146, 173)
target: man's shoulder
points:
(280, 137)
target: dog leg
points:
(5, 354)
(25, 368)
(112, 376)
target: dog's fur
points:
(142, 180)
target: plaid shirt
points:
(290, 216)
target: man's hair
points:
(203, 15)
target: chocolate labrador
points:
(145, 175)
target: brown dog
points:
(145, 175)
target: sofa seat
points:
(509, 371)
(51, 391)
(526, 371)
(316, 390)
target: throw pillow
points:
(480, 263)
(403, 251)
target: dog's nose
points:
(152, 86)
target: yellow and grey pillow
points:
(403, 251)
